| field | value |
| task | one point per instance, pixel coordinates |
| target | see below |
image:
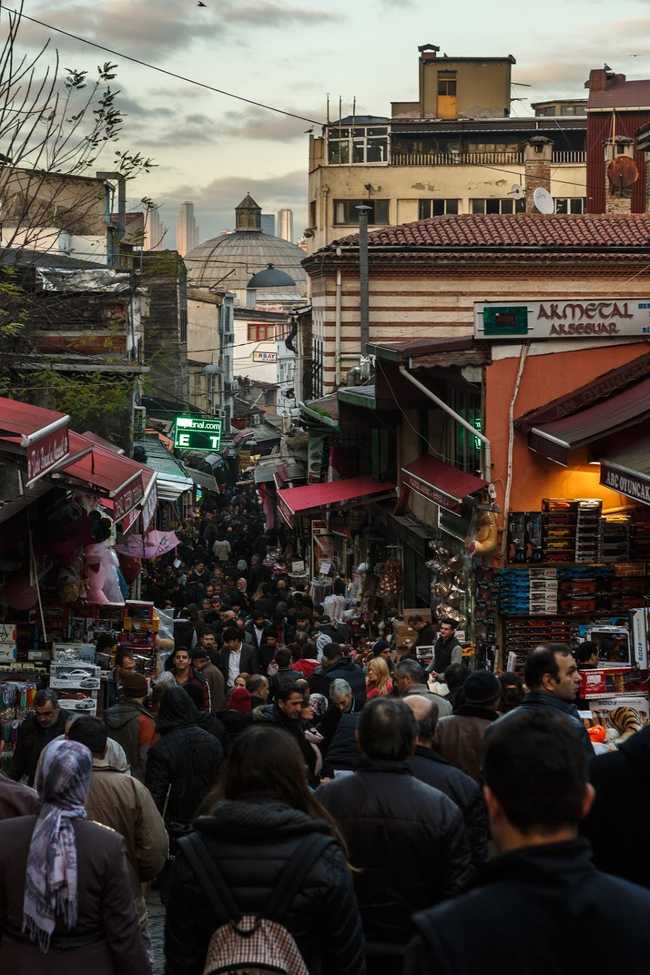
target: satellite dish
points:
(543, 200)
(622, 173)
(517, 191)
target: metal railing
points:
(571, 156)
(456, 158)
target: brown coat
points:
(214, 679)
(106, 939)
(459, 738)
(118, 800)
(17, 799)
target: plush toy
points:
(95, 573)
(485, 541)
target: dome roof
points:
(271, 277)
(230, 260)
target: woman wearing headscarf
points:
(66, 904)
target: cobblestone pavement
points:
(156, 928)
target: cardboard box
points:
(611, 680)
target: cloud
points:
(260, 124)
(190, 130)
(154, 31)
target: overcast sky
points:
(212, 149)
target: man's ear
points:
(588, 799)
(494, 807)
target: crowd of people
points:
(305, 800)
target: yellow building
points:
(455, 150)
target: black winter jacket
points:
(251, 842)
(184, 763)
(407, 839)
(343, 751)
(30, 742)
(617, 823)
(431, 768)
(346, 669)
(536, 911)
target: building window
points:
(464, 449)
(312, 214)
(317, 368)
(446, 82)
(261, 332)
(505, 205)
(436, 208)
(345, 211)
(358, 145)
(570, 204)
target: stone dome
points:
(231, 259)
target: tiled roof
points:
(624, 94)
(520, 230)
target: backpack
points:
(253, 944)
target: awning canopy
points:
(627, 470)
(37, 434)
(172, 480)
(311, 497)
(557, 439)
(107, 473)
(441, 483)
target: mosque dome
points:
(230, 260)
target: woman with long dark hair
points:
(261, 813)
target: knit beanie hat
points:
(133, 684)
(240, 700)
(481, 688)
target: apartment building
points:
(456, 150)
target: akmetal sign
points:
(46, 452)
(579, 318)
(197, 432)
(630, 483)
(265, 356)
(431, 492)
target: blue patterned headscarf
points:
(62, 782)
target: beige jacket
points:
(122, 802)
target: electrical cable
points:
(165, 71)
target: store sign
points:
(265, 356)
(149, 507)
(629, 483)
(46, 452)
(431, 492)
(197, 433)
(578, 318)
(126, 499)
(286, 512)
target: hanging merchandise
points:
(484, 541)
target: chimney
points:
(428, 52)
(619, 182)
(538, 155)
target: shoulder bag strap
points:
(209, 876)
(294, 873)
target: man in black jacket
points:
(429, 767)
(336, 665)
(560, 913)
(622, 782)
(37, 730)
(406, 838)
(236, 658)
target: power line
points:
(165, 71)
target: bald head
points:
(425, 712)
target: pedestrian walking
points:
(130, 724)
(537, 907)
(38, 729)
(261, 818)
(66, 904)
(459, 737)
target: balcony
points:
(570, 157)
(457, 159)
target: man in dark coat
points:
(541, 906)
(617, 823)
(37, 730)
(131, 725)
(553, 681)
(459, 737)
(286, 713)
(236, 658)
(17, 799)
(406, 838)
(447, 650)
(336, 665)
(429, 767)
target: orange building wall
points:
(545, 378)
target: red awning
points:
(557, 439)
(109, 474)
(441, 483)
(310, 497)
(41, 434)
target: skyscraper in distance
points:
(268, 224)
(186, 229)
(154, 231)
(285, 225)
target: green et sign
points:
(197, 433)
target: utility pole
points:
(364, 309)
